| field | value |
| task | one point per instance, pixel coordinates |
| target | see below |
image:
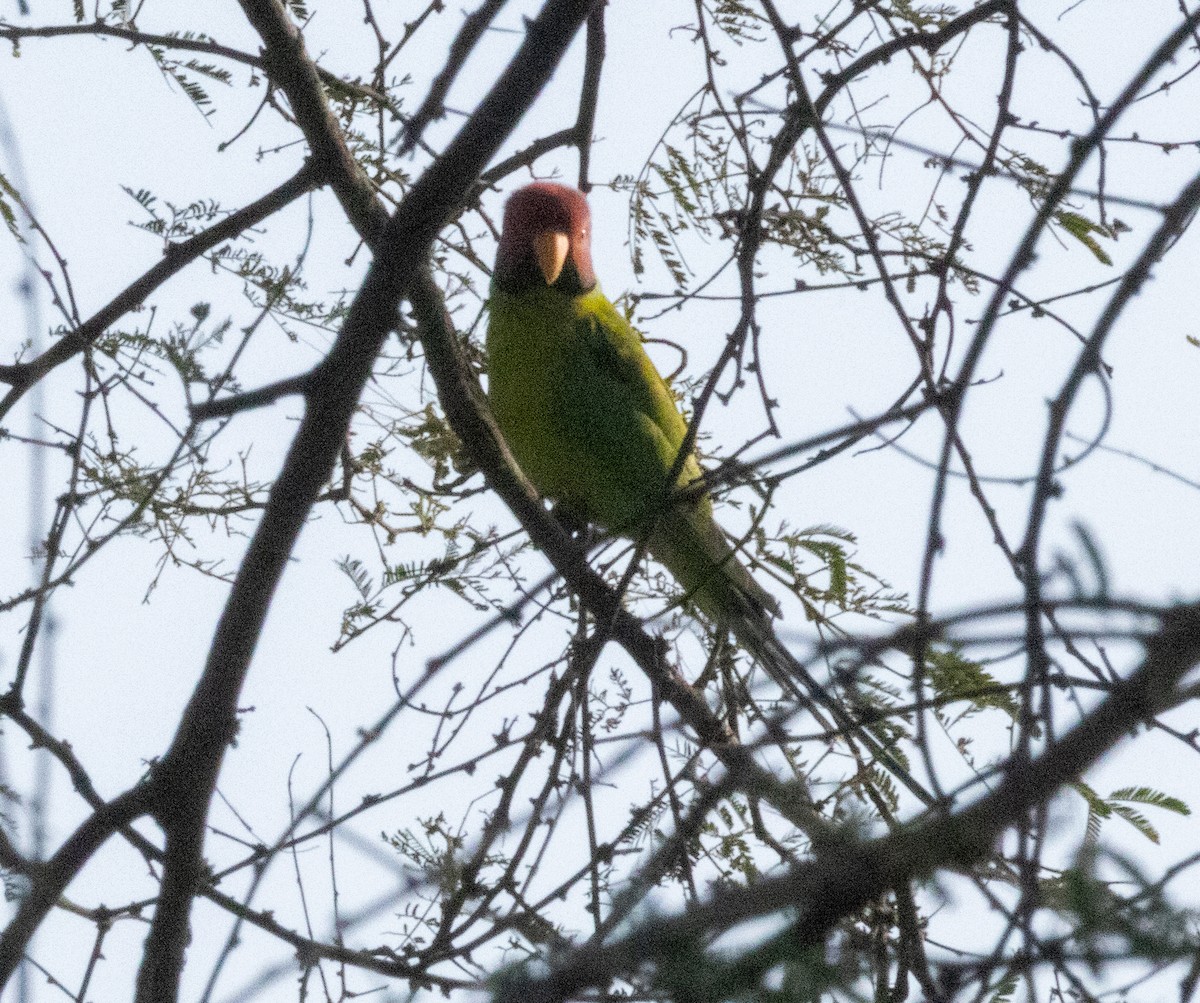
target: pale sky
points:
(91, 117)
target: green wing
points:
(641, 432)
(626, 415)
(618, 350)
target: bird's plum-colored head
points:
(546, 241)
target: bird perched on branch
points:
(587, 416)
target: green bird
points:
(589, 419)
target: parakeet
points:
(589, 419)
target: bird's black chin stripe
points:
(527, 275)
(568, 282)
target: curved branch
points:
(930, 41)
(51, 879)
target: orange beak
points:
(551, 249)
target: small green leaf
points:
(6, 210)
(1082, 228)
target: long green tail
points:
(692, 546)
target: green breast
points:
(583, 410)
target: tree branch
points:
(843, 879)
(51, 879)
(589, 93)
(286, 61)
(433, 107)
(99, 29)
(24, 375)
